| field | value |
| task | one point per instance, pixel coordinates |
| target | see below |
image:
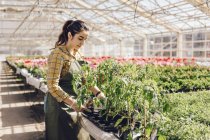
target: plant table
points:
(93, 130)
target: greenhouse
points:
(105, 69)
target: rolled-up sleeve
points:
(55, 64)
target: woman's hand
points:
(76, 108)
(73, 104)
(101, 95)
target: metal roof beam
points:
(201, 5)
(28, 35)
(110, 19)
(93, 26)
(148, 15)
(45, 10)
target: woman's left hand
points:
(101, 96)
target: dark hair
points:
(73, 27)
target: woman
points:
(61, 64)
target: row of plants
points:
(188, 116)
(179, 79)
(170, 78)
(136, 103)
(36, 66)
(192, 105)
(134, 97)
(163, 61)
(130, 101)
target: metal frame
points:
(40, 21)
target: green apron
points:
(58, 123)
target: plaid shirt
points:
(59, 62)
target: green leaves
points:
(119, 121)
(184, 78)
(136, 93)
(188, 117)
(161, 137)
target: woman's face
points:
(78, 40)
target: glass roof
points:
(118, 18)
(174, 13)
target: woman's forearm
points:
(95, 90)
(70, 101)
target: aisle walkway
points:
(18, 120)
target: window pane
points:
(150, 53)
(199, 54)
(151, 41)
(207, 45)
(174, 46)
(137, 54)
(141, 53)
(157, 47)
(199, 45)
(208, 36)
(136, 47)
(187, 46)
(199, 36)
(158, 40)
(166, 39)
(157, 53)
(166, 46)
(174, 39)
(151, 47)
(174, 54)
(166, 54)
(141, 46)
(187, 54)
(188, 37)
(208, 54)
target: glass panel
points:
(137, 41)
(167, 46)
(166, 39)
(207, 45)
(158, 40)
(157, 47)
(187, 53)
(188, 37)
(136, 54)
(208, 54)
(157, 53)
(151, 40)
(136, 47)
(141, 53)
(141, 47)
(174, 54)
(199, 53)
(151, 47)
(150, 53)
(199, 45)
(166, 54)
(199, 36)
(187, 46)
(174, 39)
(193, 23)
(208, 36)
(174, 46)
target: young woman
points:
(61, 63)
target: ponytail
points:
(74, 27)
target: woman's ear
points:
(69, 35)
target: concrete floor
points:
(19, 112)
